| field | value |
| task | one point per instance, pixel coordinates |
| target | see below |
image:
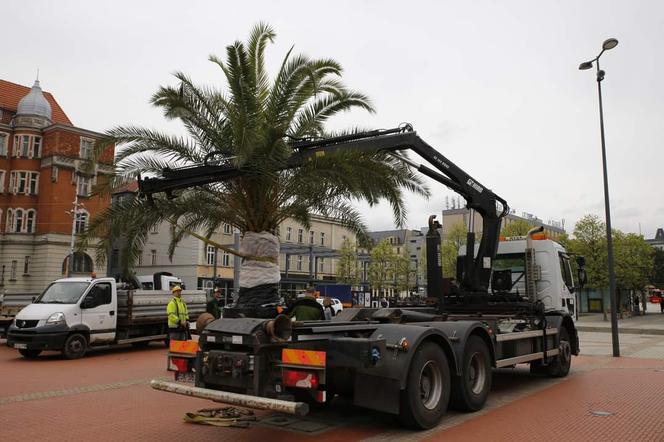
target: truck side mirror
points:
(583, 277)
(89, 301)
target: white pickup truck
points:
(75, 314)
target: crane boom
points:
(476, 272)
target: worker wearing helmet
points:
(178, 318)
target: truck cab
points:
(555, 286)
(159, 281)
(69, 305)
(74, 314)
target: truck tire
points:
(29, 354)
(471, 390)
(75, 346)
(427, 394)
(559, 367)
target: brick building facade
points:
(44, 169)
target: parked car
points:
(337, 306)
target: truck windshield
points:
(63, 293)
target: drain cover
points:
(601, 413)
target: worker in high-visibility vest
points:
(178, 318)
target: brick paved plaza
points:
(106, 396)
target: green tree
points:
(634, 261)
(381, 266)
(348, 266)
(454, 239)
(517, 227)
(657, 276)
(248, 124)
(403, 273)
(590, 241)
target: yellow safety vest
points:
(177, 312)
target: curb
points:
(631, 331)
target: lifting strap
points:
(221, 417)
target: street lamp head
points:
(585, 65)
(609, 44)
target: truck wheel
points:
(559, 367)
(75, 346)
(29, 354)
(471, 389)
(427, 394)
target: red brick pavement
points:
(633, 389)
(52, 372)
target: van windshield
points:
(62, 293)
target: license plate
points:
(21, 346)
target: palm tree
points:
(249, 125)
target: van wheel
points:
(471, 390)
(559, 367)
(75, 346)
(29, 354)
(427, 394)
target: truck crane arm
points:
(476, 273)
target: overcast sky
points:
(494, 86)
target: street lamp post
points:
(608, 44)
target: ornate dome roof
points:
(34, 103)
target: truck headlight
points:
(56, 318)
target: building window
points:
(24, 182)
(25, 146)
(227, 229)
(299, 262)
(4, 140)
(153, 257)
(154, 228)
(26, 266)
(300, 234)
(81, 221)
(21, 221)
(311, 237)
(322, 238)
(21, 146)
(140, 258)
(87, 146)
(83, 185)
(18, 220)
(289, 232)
(36, 147)
(55, 171)
(12, 272)
(210, 255)
(30, 221)
(321, 264)
(226, 259)
(2, 181)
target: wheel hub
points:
(476, 373)
(431, 385)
